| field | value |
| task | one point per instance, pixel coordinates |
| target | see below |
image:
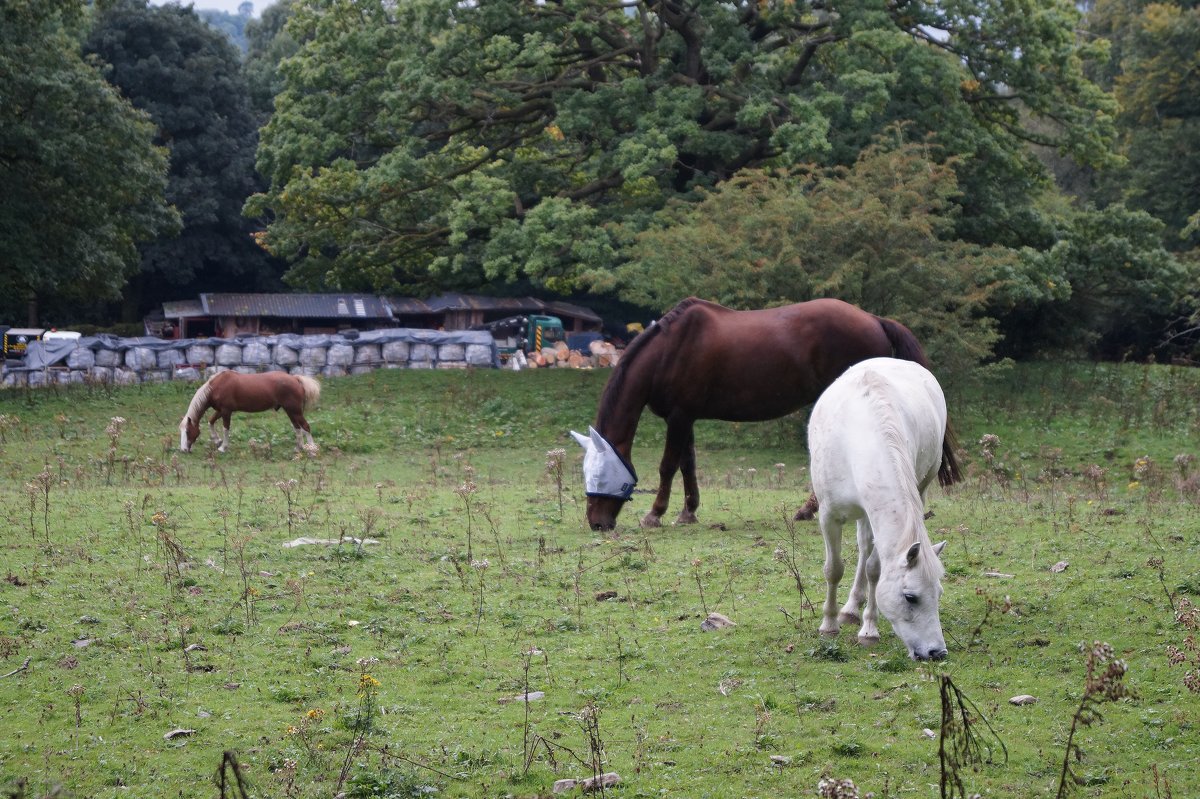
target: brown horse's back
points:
(716, 363)
(265, 391)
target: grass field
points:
(154, 630)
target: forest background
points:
(1008, 179)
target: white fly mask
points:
(605, 472)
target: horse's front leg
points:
(225, 432)
(831, 530)
(213, 435)
(667, 467)
(863, 588)
(869, 634)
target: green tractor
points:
(525, 333)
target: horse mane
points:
(636, 347)
(199, 400)
(896, 443)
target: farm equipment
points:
(16, 339)
(525, 334)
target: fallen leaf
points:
(1023, 699)
(178, 732)
(1061, 566)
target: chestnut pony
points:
(704, 361)
(226, 392)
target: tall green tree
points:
(267, 44)
(432, 141)
(1154, 72)
(188, 78)
(82, 180)
(873, 234)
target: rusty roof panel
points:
(182, 309)
(297, 306)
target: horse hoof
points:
(687, 517)
(849, 618)
(829, 633)
(650, 520)
(868, 640)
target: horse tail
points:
(312, 390)
(906, 347)
(904, 344)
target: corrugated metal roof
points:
(408, 305)
(182, 309)
(559, 308)
(297, 306)
(475, 302)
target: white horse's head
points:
(908, 594)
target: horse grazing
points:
(226, 392)
(705, 361)
(875, 439)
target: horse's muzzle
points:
(932, 654)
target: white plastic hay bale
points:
(313, 357)
(396, 352)
(81, 358)
(452, 352)
(109, 358)
(340, 355)
(256, 353)
(367, 353)
(125, 377)
(422, 353)
(285, 355)
(229, 355)
(169, 359)
(200, 353)
(139, 359)
(479, 355)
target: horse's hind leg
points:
(691, 491)
(303, 433)
(831, 530)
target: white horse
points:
(875, 438)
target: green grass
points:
(480, 588)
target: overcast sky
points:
(230, 6)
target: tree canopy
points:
(187, 77)
(432, 142)
(83, 180)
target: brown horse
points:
(705, 361)
(226, 392)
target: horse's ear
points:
(583, 440)
(598, 440)
(913, 553)
(938, 547)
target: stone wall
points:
(140, 360)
